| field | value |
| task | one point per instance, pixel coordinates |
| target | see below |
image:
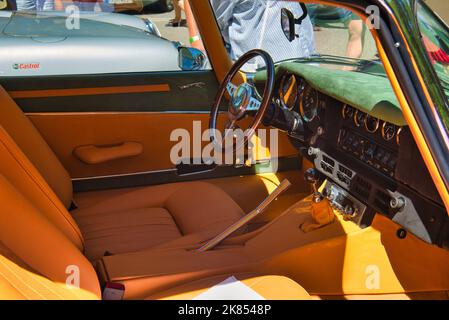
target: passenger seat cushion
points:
(125, 231)
(145, 217)
(270, 287)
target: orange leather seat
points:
(145, 217)
(37, 261)
(125, 222)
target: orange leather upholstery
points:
(269, 287)
(145, 217)
(17, 283)
(126, 223)
(35, 257)
(21, 173)
(100, 154)
(38, 243)
(29, 140)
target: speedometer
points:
(371, 124)
(288, 91)
(388, 131)
(309, 103)
(347, 112)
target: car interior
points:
(89, 194)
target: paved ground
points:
(176, 34)
(441, 7)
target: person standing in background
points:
(35, 5)
(194, 34)
(356, 29)
(177, 21)
(246, 25)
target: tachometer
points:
(288, 91)
(388, 131)
(309, 103)
(371, 124)
(347, 112)
(359, 118)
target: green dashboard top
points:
(370, 93)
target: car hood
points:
(60, 24)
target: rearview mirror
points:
(191, 59)
(288, 24)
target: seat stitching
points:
(110, 229)
(13, 273)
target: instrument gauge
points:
(388, 131)
(398, 136)
(371, 124)
(288, 91)
(309, 103)
(347, 112)
(359, 118)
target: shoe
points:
(176, 23)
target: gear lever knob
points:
(312, 176)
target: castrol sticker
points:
(26, 66)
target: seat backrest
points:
(32, 248)
(30, 141)
(17, 283)
(22, 174)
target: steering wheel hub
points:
(240, 100)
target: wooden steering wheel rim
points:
(266, 96)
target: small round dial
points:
(359, 118)
(347, 112)
(288, 91)
(388, 131)
(309, 104)
(371, 124)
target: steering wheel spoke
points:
(230, 88)
(254, 104)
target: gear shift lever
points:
(312, 177)
(321, 213)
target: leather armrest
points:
(99, 154)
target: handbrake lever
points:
(284, 185)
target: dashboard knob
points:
(312, 151)
(397, 204)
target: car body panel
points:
(37, 46)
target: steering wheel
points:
(244, 100)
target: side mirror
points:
(191, 59)
(288, 24)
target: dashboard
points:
(370, 165)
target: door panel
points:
(65, 132)
(108, 110)
(124, 92)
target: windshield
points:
(435, 36)
(335, 35)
